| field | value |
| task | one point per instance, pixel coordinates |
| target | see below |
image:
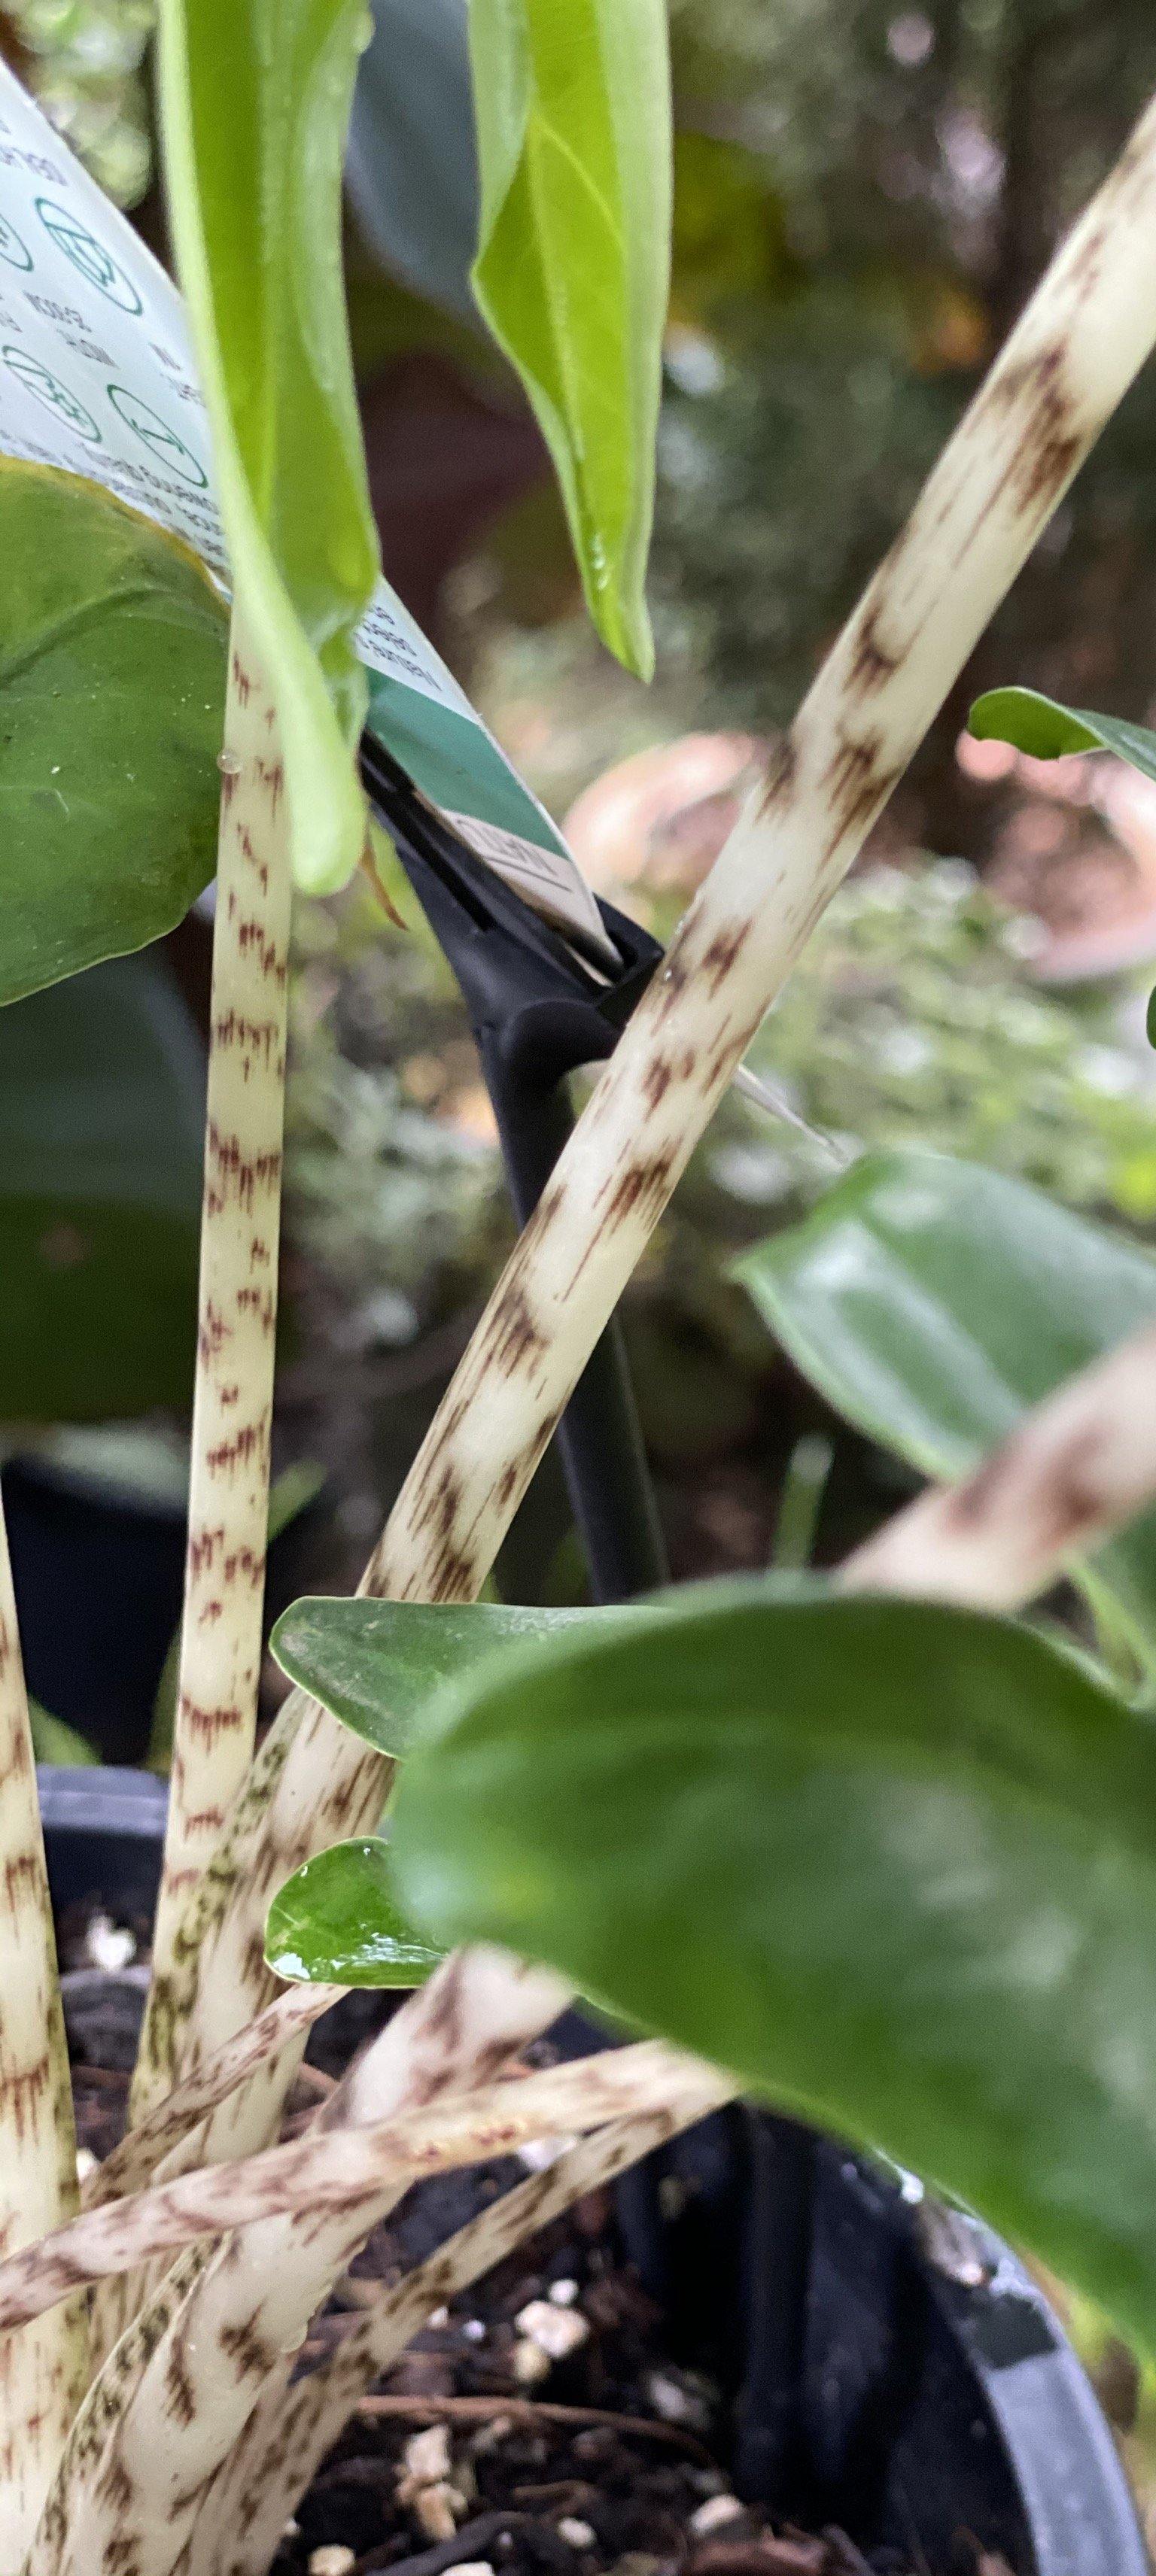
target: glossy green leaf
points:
(932, 1302)
(101, 1119)
(377, 1664)
(1048, 730)
(336, 1923)
(893, 1864)
(572, 102)
(112, 681)
(255, 98)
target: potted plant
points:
(875, 1847)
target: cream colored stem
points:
(42, 2371)
(1078, 1467)
(342, 2171)
(294, 2427)
(1078, 346)
(220, 1657)
(289, 2018)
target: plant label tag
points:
(97, 378)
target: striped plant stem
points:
(1077, 1467)
(220, 1657)
(42, 2369)
(1081, 340)
(294, 2426)
(1080, 1465)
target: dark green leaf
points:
(336, 1923)
(255, 104)
(893, 1864)
(101, 1113)
(112, 683)
(934, 1302)
(377, 1664)
(1048, 730)
(574, 140)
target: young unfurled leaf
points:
(933, 1302)
(572, 101)
(254, 107)
(923, 1915)
(112, 686)
(378, 1664)
(1048, 730)
(336, 1922)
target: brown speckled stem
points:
(220, 1658)
(1076, 1468)
(1082, 339)
(41, 2370)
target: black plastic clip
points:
(539, 1009)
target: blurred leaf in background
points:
(933, 1303)
(922, 163)
(913, 1019)
(101, 1107)
(573, 266)
(85, 61)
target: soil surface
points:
(487, 2448)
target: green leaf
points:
(254, 107)
(1048, 730)
(55, 1743)
(101, 1118)
(377, 1664)
(336, 1923)
(933, 1302)
(112, 684)
(572, 101)
(893, 1864)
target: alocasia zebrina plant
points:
(196, 2440)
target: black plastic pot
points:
(890, 2370)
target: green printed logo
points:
(154, 432)
(48, 390)
(11, 247)
(89, 255)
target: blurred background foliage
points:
(866, 191)
(86, 62)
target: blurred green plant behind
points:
(868, 192)
(865, 191)
(84, 60)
